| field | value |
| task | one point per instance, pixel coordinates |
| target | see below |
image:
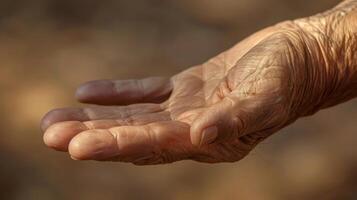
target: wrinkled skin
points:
(214, 112)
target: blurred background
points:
(48, 47)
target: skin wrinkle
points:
(257, 75)
(302, 61)
(210, 83)
(332, 50)
(269, 80)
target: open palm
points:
(214, 112)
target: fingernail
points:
(209, 135)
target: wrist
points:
(340, 47)
(325, 61)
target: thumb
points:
(235, 117)
(220, 121)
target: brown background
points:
(48, 47)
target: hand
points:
(215, 112)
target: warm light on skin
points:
(220, 110)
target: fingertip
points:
(59, 135)
(94, 91)
(62, 114)
(48, 119)
(45, 123)
(200, 124)
(216, 122)
(93, 145)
